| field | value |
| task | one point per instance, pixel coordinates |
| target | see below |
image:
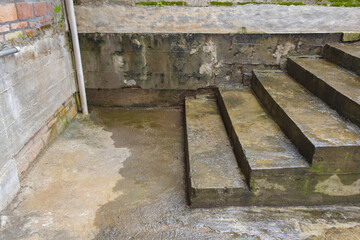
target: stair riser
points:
(291, 130)
(341, 58)
(337, 159)
(344, 105)
(206, 198)
(308, 189)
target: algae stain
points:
(316, 169)
(306, 190)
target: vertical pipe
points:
(75, 41)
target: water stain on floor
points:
(119, 174)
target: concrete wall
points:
(188, 61)
(34, 84)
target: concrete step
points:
(213, 175)
(345, 55)
(262, 149)
(334, 85)
(328, 141)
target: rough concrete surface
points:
(120, 175)
(255, 18)
(188, 61)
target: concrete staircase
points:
(294, 139)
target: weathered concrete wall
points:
(34, 83)
(217, 19)
(188, 61)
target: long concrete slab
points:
(334, 85)
(345, 55)
(262, 147)
(116, 18)
(214, 178)
(329, 142)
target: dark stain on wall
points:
(188, 61)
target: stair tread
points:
(338, 78)
(266, 147)
(323, 126)
(351, 49)
(212, 162)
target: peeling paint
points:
(130, 83)
(206, 68)
(282, 50)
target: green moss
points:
(352, 5)
(178, 3)
(306, 184)
(290, 3)
(316, 169)
(338, 4)
(160, 3)
(221, 3)
(345, 3)
(245, 3)
(146, 3)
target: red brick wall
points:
(25, 19)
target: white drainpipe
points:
(75, 41)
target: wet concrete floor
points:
(119, 174)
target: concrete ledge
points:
(9, 183)
(49, 131)
(255, 18)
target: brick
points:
(45, 19)
(48, 18)
(4, 28)
(26, 157)
(29, 32)
(50, 8)
(18, 25)
(13, 35)
(51, 122)
(62, 113)
(72, 112)
(2, 39)
(25, 10)
(32, 24)
(40, 9)
(59, 110)
(7, 13)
